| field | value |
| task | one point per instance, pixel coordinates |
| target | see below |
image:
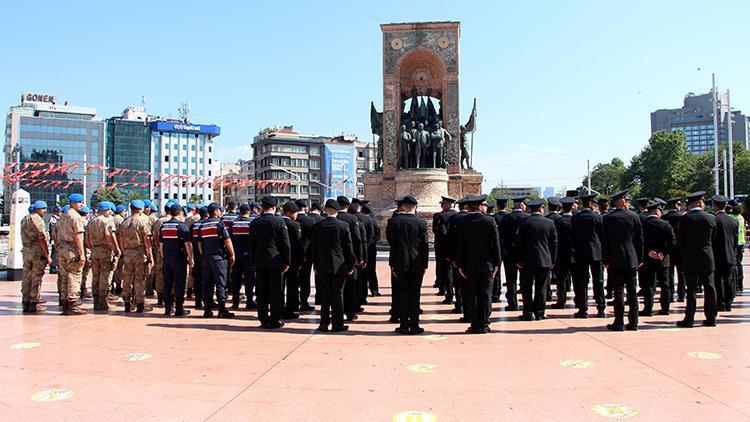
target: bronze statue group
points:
(208, 254)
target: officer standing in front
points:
(725, 247)
(36, 256)
(622, 251)
(697, 234)
(271, 252)
(409, 255)
(177, 254)
(587, 228)
(658, 243)
(70, 229)
(217, 257)
(333, 259)
(536, 250)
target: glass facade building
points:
(129, 147)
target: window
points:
(166, 196)
(209, 174)
(184, 159)
(184, 147)
(166, 158)
(209, 150)
(174, 196)
(184, 196)
(192, 159)
(315, 189)
(314, 164)
(192, 147)
(209, 196)
(361, 154)
(314, 151)
(209, 161)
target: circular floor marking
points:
(576, 363)
(616, 411)
(422, 367)
(52, 395)
(704, 355)
(29, 345)
(414, 416)
(435, 337)
(137, 357)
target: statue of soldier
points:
(412, 149)
(405, 146)
(438, 139)
(464, 151)
(422, 139)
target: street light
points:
(299, 179)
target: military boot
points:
(32, 308)
(223, 313)
(236, 302)
(24, 306)
(127, 307)
(167, 308)
(180, 310)
(64, 306)
(159, 300)
(189, 293)
(208, 313)
(198, 302)
(74, 308)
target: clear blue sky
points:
(556, 82)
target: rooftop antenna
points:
(184, 110)
(143, 102)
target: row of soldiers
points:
(575, 242)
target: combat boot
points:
(180, 310)
(24, 306)
(198, 303)
(64, 306)
(223, 313)
(189, 293)
(236, 302)
(32, 308)
(142, 307)
(127, 307)
(208, 313)
(74, 308)
(159, 300)
(167, 309)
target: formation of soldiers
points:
(209, 254)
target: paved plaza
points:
(116, 367)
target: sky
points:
(557, 83)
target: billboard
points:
(185, 127)
(339, 171)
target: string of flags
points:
(37, 174)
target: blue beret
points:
(65, 208)
(184, 209)
(31, 208)
(153, 207)
(85, 210)
(104, 206)
(137, 204)
(76, 197)
(120, 208)
(146, 203)
(39, 205)
(190, 207)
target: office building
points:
(129, 147)
(41, 130)
(246, 192)
(696, 119)
(225, 192)
(366, 162)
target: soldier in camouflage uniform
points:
(157, 253)
(120, 214)
(36, 256)
(101, 239)
(71, 255)
(136, 246)
(85, 292)
(150, 212)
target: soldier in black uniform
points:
(367, 232)
(477, 253)
(195, 237)
(622, 251)
(217, 256)
(315, 214)
(177, 251)
(242, 271)
(291, 281)
(443, 266)
(333, 259)
(536, 250)
(458, 280)
(351, 291)
(553, 205)
(603, 206)
(306, 224)
(231, 214)
(498, 216)
(565, 264)
(673, 217)
(409, 254)
(372, 251)
(508, 233)
(696, 236)
(725, 247)
(658, 243)
(272, 255)
(587, 232)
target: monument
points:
(422, 146)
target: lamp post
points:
(296, 176)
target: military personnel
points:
(85, 292)
(56, 213)
(102, 240)
(741, 236)
(306, 224)
(351, 291)
(135, 244)
(603, 206)
(395, 295)
(157, 252)
(499, 215)
(177, 252)
(676, 275)
(150, 213)
(119, 217)
(196, 275)
(291, 277)
(508, 235)
(333, 259)
(242, 271)
(658, 243)
(622, 252)
(536, 251)
(70, 229)
(443, 266)
(36, 256)
(271, 252)
(53, 236)
(191, 218)
(367, 234)
(458, 281)
(553, 205)
(477, 253)
(696, 236)
(217, 256)
(725, 248)
(372, 251)
(565, 263)
(586, 229)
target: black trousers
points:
(675, 267)
(478, 296)
(197, 276)
(291, 286)
(304, 283)
(534, 289)
(174, 271)
(725, 285)
(738, 267)
(362, 284)
(214, 274)
(395, 296)
(331, 299)
(409, 288)
(243, 273)
(447, 276)
(653, 275)
(564, 273)
(372, 274)
(269, 288)
(511, 282)
(464, 300)
(351, 294)
(693, 280)
(624, 279)
(581, 285)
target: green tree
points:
(111, 195)
(194, 199)
(607, 178)
(663, 166)
(63, 201)
(741, 169)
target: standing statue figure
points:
(464, 151)
(413, 146)
(439, 138)
(421, 139)
(376, 126)
(405, 142)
